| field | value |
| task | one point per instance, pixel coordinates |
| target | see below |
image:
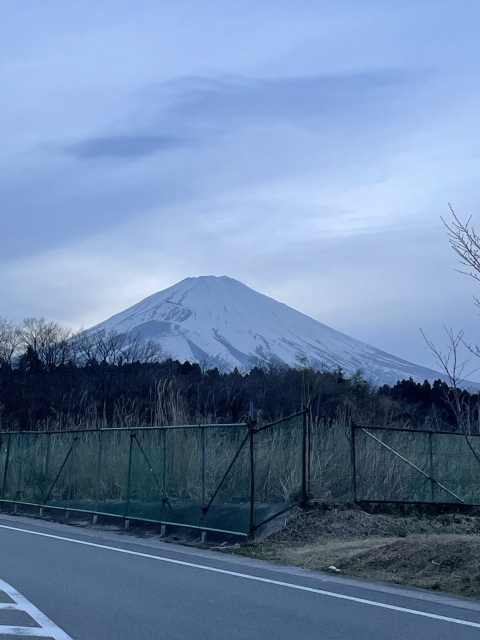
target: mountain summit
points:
(222, 322)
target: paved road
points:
(103, 586)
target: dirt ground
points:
(438, 552)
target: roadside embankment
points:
(429, 550)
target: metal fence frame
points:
(430, 475)
(248, 441)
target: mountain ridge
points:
(219, 319)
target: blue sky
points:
(307, 149)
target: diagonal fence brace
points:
(205, 509)
(414, 466)
(45, 500)
(147, 461)
(164, 500)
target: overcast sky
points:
(306, 148)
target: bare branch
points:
(465, 242)
(449, 361)
(454, 370)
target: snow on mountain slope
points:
(225, 323)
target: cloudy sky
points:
(306, 148)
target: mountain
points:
(219, 321)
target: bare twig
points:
(454, 369)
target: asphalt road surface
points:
(97, 585)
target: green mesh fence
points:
(416, 466)
(280, 467)
(229, 478)
(330, 463)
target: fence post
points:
(203, 465)
(127, 505)
(5, 470)
(309, 455)
(18, 492)
(99, 470)
(164, 478)
(304, 458)
(71, 472)
(432, 481)
(252, 478)
(354, 464)
(45, 468)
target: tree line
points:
(52, 378)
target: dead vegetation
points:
(433, 551)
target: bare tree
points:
(205, 362)
(144, 351)
(449, 361)
(9, 342)
(466, 244)
(99, 345)
(115, 348)
(48, 340)
(466, 415)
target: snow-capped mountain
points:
(222, 322)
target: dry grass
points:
(278, 460)
(440, 562)
(168, 462)
(433, 552)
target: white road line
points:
(35, 632)
(47, 628)
(246, 576)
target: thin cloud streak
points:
(126, 146)
(210, 108)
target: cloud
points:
(198, 137)
(209, 109)
(301, 100)
(123, 146)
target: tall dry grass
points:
(190, 464)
